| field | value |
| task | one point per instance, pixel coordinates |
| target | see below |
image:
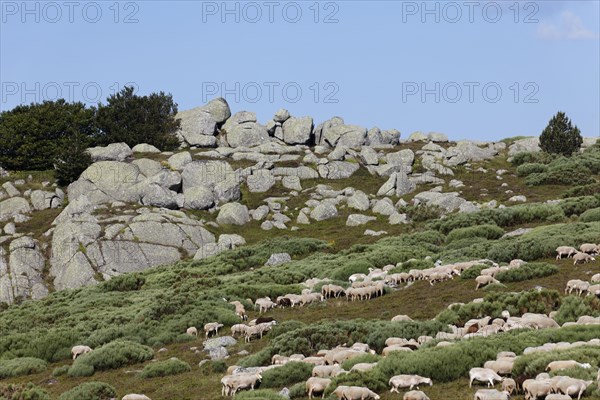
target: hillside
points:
(147, 243)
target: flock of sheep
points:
(327, 363)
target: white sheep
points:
(589, 248)
(212, 327)
(582, 258)
(76, 351)
(484, 280)
(568, 250)
(134, 396)
(491, 394)
(483, 375)
(564, 364)
(192, 331)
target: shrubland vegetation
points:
(55, 134)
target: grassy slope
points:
(420, 301)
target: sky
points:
(480, 70)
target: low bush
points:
(573, 307)
(366, 358)
(356, 267)
(582, 190)
(124, 283)
(90, 391)
(482, 231)
(527, 271)
(530, 168)
(298, 391)
(287, 375)
(172, 366)
(261, 394)
(494, 303)
(592, 215)
(542, 241)
(21, 366)
(60, 371)
(533, 363)
(537, 157)
(445, 364)
(579, 205)
(374, 380)
(473, 272)
(328, 334)
(27, 391)
(112, 355)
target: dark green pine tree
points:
(560, 136)
(72, 159)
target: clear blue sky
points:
(374, 63)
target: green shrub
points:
(582, 190)
(542, 241)
(298, 391)
(532, 158)
(573, 307)
(530, 168)
(527, 271)
(134, 119)
(72, 159)
(112, 355)
(90, 391)
(484, 231)
(172, 366)
(494, 303)
(578, 205)
(532, 364)
(21, 366)
(445, 364)
(592, 215)
(422, 212)
(124, 283)
(367, 358)
(560, 136)
(27, 391)
(287, 375)
(261, 394)
(473, 272)
(562, 172)
(60, 371)
(374, 380)
(356, 267)
(33, 136)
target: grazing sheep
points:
(363, 367)
(415, 395)
(564, 364)
(502, 367)
(593, 290)
(582, 258)
(279, 360)
(407, 381)
(233, 383)
(569, 386)
(589, 248)
(395, 347)
(484, 280)
(509, 385)
(534, 388)
(326, 371)
(491, 394)
(212, 327)
(314, 360)
(76, 351)
(192, 331)
(595, 278)
(264, 304)
(577, 285)
(134, 396)
(240, 310)
(568, 250)
(329, 291)
(318, 385)
(401, 318)
(358, 393)
(483, 375)
(263, 320)
(339, 392)
(239, 329)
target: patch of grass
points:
(172, 366)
